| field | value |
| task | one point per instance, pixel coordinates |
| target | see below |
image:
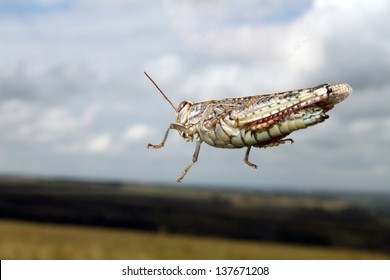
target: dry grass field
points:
(25, 240)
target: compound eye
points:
(182, 105)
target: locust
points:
(258, 121)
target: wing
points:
(274, 106)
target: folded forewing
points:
(261, 108)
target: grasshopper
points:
(258, 121)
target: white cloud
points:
(212, 28)
(374, 127)
(25, 121)
(71, 81)
(170, 67)
(136, 133)
(105, 143)
(219, 81)
(100, 143)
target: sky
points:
(74, 101)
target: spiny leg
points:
(246, 159)
(274, 143)
(171, 126)
(194, 159)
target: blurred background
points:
(74, 102)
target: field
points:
(73, 219)
(25, 240)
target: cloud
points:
(52, 83)
(361, 59)
(107, 142)
(99, 143)
(23, 121)
(221, 30)
(72, 86)
(136, 133)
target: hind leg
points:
(274, 143)
(271, 143)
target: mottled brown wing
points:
(262, 108)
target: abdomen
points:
(226, 136)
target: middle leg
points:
(246, 159)
(194, 159)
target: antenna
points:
(160, 91)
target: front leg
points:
(175, 126)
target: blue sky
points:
(74, 100)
